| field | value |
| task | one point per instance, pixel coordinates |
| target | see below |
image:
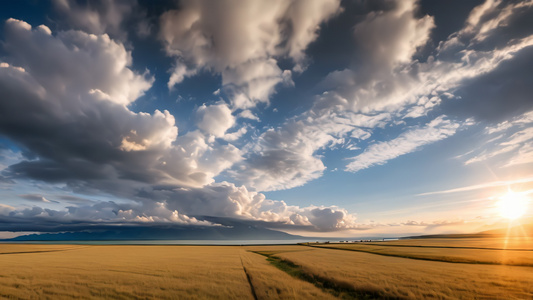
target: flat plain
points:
(405, 269)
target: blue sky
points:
(332, 118)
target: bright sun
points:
(513, 205)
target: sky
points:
(319, 118)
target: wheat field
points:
(32, 271)
(454, 255)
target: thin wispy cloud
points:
(480, 186)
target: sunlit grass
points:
(130, 272)
(126, 272)
(453, 255)
(291, 272)
(397, 277)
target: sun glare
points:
(513, 205)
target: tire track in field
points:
(337, 288)
(249, 279)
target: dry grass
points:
(272, 283)
(125, 272)
(135, 272)
(233, 272)
(457, 255)
(488, 242)
(396, 277)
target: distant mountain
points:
(164, 233)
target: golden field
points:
(448, 254)
(31, 271)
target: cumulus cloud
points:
(215, 119)
(103, 147)
(388, 40)
(392, 79)
(242, 42)
(225, 199)
(215, 203)
(286, 157)
(35, 52)
(101, 213)
(75, 88)
(407, 142)
(386, 81)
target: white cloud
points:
(105, 213)
(387, 80)
(514, 140)
(242, 41)
(490, 15)
(83, 84)
(392, 37)
(384, 78)
(228, 200)
(74, 52)
(487, 155)
(233, 136)
(407, 142)
(519, 137)
(390, 79)
(286, 157)
(247, 114)
(523, 119)
(481, 186)
(524, 155)
(214, 119)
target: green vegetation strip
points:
(343, 290)
(446, 259)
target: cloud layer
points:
(70, 119)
